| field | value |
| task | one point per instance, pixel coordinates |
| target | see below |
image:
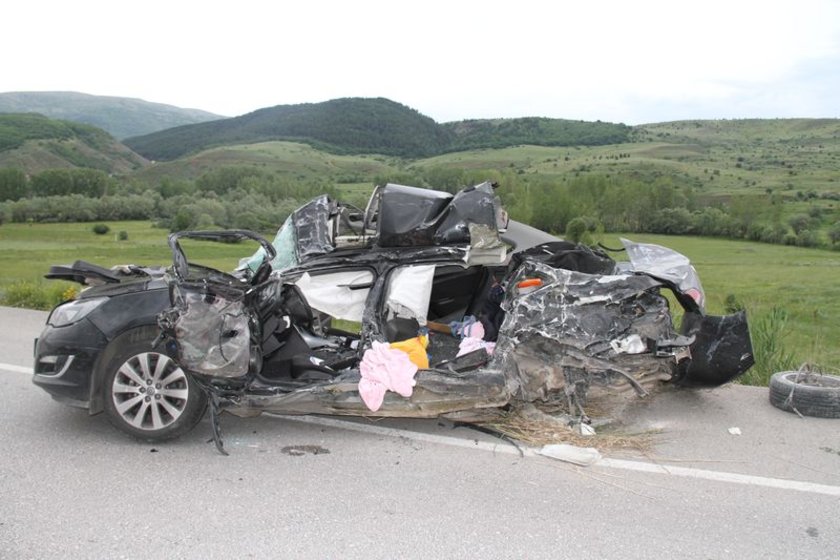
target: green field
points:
(287, 159)
(801, 281)
(30, 249)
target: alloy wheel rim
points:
(150, 391)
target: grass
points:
(797, 159)
(287, 159)
(30, 249)
(534, 432)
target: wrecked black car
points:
(425, 304)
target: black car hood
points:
(82, 272)
(127, 286)
(104, 282)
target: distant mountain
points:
(371, 125)
(120, 116)
(350, 125)
(33, 143)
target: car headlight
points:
(74, 311)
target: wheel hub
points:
(150, 391)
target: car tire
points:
(146, 393)
(809, 394)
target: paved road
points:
(73, 487)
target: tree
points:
(55, 182)
(834, 233)
(13, 184)
(183, 220)
(799, 223)
(225, 179)
(674, 221)
(576, 230)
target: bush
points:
(672, 221)
(183, 220)
(122, 235)
(576, 230)
(583, 229)
(101, 229)
(732, 304)
(37, 295)
(799, 223)
(834, 233)
(807, 238)
(773, 234)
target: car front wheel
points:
(149, 396)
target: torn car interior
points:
(415, 307)
(423, 304)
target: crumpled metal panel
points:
(312, 227)
(476, 205)
(666, 264)
(435, 394)
(483, 236)
(558, 337)
(408, 215)
(413, 217)
(213, 335)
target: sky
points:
(630, 61)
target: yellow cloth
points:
(416, 350)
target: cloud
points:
(642, 61)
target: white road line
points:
(718, 476)
(620, 464)
(16, 369)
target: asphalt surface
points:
(73, 487)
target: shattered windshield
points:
(284, 244)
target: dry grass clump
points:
(535, 427)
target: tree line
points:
(231, 197)
(250, 198)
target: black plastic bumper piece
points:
(722, 349)
(65, 358)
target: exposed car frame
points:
(269, 337)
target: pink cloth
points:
(385, 369)
(471, 344)
(476, 330)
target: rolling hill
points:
(371, 126)
(351, 125)
(35, 143)
(356, 141)
(120, 116)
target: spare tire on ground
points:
(806, 393)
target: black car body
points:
(309, 323)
